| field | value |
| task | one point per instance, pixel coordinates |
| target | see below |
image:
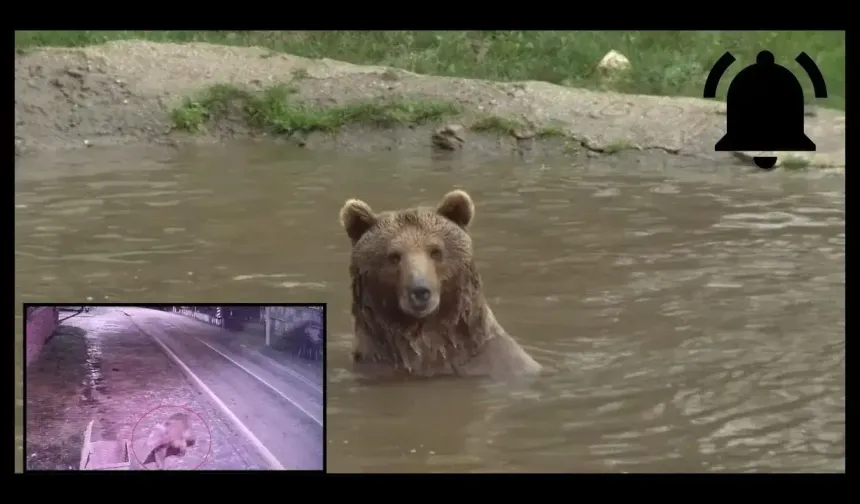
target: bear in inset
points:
(173, 437)
(417, 302)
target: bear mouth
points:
(419, 309)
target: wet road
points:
(98, 367)
(280, 412)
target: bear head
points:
(412, 266)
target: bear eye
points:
(436, 253)
(393, 257)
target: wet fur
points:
(171, 438)
(462, 337)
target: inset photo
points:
(169, 387)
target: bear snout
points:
(420, 298)
(419, 295)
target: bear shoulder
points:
(501, 356)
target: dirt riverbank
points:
(123, 93)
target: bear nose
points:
(420, 294)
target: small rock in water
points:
(525, 131)
(449, 137)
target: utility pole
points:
(268, 324)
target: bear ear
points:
(457, 206)
(356, 217)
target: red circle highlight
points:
(190, 411)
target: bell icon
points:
(765, 110)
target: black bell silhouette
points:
(765, 110)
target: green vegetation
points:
(274, 110)
(617, 146)
(663, 63)
(494, 124)
(794, 163)
(550, 132)
(502, 126)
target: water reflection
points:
(692, 319)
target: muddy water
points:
(691, 317)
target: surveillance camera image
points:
(169, 387)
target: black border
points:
(310, 472)
(722, 16)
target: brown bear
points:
(417, 302)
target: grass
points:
(495, 124)
(617, 146)
(795, 163)
(663, 63)
(274, 110)
(510, 127)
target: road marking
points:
(296, 374)
(271, 459)
(292, 372)
(264, 382)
